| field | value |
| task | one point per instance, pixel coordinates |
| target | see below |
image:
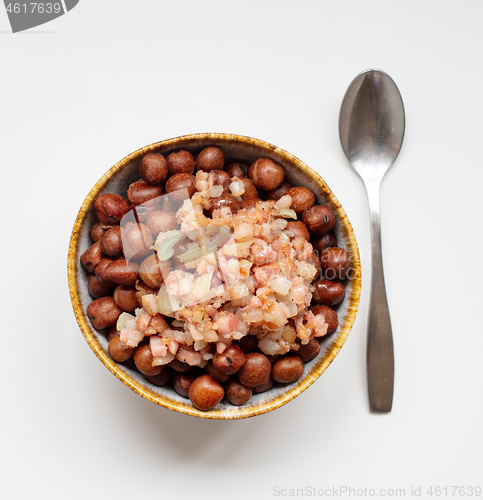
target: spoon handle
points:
(380, 349)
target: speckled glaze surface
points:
(235, 147)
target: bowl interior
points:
(235, 148)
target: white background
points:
(80, 93)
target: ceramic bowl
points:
(235, 147)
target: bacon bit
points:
(175, 335)
(158, 323)
(262, 293)
(300, 307)
(221, 217)
(298, 320)
(263, 273)
(205, 325)
(262, 253)
(304, 334)
(220, 347)
(211, 311)
(173, 347)
(202, 181)
(254, 303)
(297, 291)
(150, 304)
(260, 276)
(150, 331)
(229, 276)
(131, 337)
(143, 321)
(198, 314)
(192, 358)
(158, 348)
(195, 333)
(202, 220)
(225, 323)
(316, 323)
(306, 251)
(185, 313)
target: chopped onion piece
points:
(237, 187)
(229, 250)
(150, 304)
(283, 238)
(210, 247)
(164, 360)
(305, 269)
(239, 290)
(210, 336)
(289, 334)
(270, 346)
(192, 264)
(243, 231)
(224, 230)
(216, 191)
(279, 284)
(275, 317)
(190, 255)
(244, 244)
(202, 286)
(164, 301)
(284, 267)
(199, 344)
(211, 230)
(291, 306)
(125, 320)
(165, 243)
(233, 266)
(254, 316)
(287, 212)
(281, 223)
(235, 250)
(284, 202)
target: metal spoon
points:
(371, 129)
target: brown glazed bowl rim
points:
(276, 397)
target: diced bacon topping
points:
(143, 321)
(192, 358)
(246, 276)
(225, 323)
(158, 348)
(262, 253)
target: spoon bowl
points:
(372, 123)
(371, 129)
